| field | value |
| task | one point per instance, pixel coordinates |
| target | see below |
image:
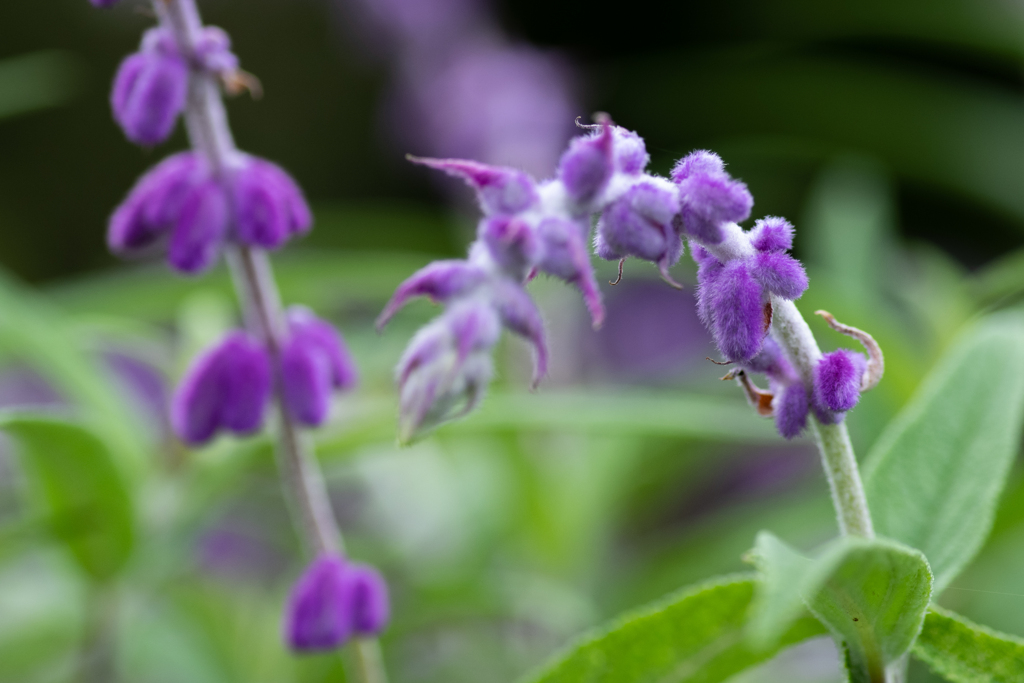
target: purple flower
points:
(790, 409)
(333, 601)
(512, 242)
(150, 89)
(371, 608)
(269, 205)
(226, 387)
(588, 164)
(200, 228)
(319, 611)
(837, 379)
(790, 404)
(314, 364)
(709, 196)
(772, 233)
(780, 274)
(639, 223)
(440, 281)
(564, 255)
(735, 306)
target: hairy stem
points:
(305, 490)
(792, 333)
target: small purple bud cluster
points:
(334, 601)
(229, 385)
(527, 228)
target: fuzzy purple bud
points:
(519, 314)
(565, 256)
(319, 612)
(213, 51)
(269, 205)
(630, 152)
(227, 387)
(512, 244)
(780, 274)
(639, 223)
(500, 190)
(200, 229)
(736, 308)
(587, 165)
(371, 608)
(772, 233)
(709, 196)
(790, 409)
(837, 379)
(314, 363)
(149, 92)
(440, 281)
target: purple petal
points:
(587, 165)
(837, 379)
(709, 200)
(780, 274)
(519, 314)
(639, 223)
(701, 162)
(708, 271)
(772, 233)
(148, 95)
(474, 325)
(319, 612)
(790, 409)
(512, 243)
(200, 229)
(370, 605)
(500, 190)
(737, 307)
(269, 205)
(565, 256)
(314, 362)
(630, 152)
(441, 281)
(196, 405)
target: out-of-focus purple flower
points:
(199, 230)
(440, 281)
(319, 612)
(371, 608)
(269, 205)
(500, 190)
(709, 196)
(227, 387)
(564, 255)
(314, 364)
(501, 104)
(837, 379)
(415, 25)
(587, 166)
(149, 89)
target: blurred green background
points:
(891, 133)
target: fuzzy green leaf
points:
(81, 489)
(963, 652)
(872, 594)
(694, 636)
(935, 474)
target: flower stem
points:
(303, 483)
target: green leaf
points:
(76, 480)
(695, 635)
(872, 594)
(935, 474)
(964, 652)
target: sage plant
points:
(212, 200)
(871, 594)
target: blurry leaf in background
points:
(871, 593)
(964, 652)
(934, 477)
(694, 635)
(38, 80)
(86, 499)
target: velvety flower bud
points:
(500, 190)
(709, 196)
(227, 387)
(565, 256)
(440, 281)
(314, 363)
(587, 165)
(639, 223)
(519, 314)
(152, 206)
(837, 379)
(149, 92)
(319, 612)
(780, 274)
(737, 308)
(512, 243)
(200, 229)
(369, 595)
(772, 233)
(790, 409)
(269, 205)
(630, 152)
